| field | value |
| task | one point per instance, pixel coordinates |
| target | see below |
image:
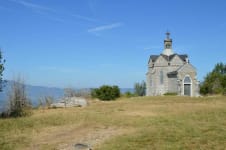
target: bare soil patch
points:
(65, 138)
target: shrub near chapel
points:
(215, 81)
(106, 93)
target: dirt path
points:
(65, 139)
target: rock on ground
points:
(71, 102)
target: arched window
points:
(161, 77)
(187, 80)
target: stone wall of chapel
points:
(149, 84)
(154, 87)
(161, 62)
(176, 61)
(173, 68)
(160, 88)
(172, 84)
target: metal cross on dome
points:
(167, 35)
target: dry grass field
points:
(167, 122)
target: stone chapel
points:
(170, 72)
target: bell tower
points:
(168, 45)
(168, 41)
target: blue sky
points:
(88, 43)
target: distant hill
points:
(36, 92)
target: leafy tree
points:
(215, 81)
(2, 62)
(106, 92)
(140, 88)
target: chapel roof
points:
(168, 53)
(168, 58)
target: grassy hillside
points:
(135, 123)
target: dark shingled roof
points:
(168, 58)
(183, 57)
(154, 57)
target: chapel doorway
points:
(187, 86)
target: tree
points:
(106, 92)
(19, 104)
(2, 62)
(215, 81)
(140, 88)
(220, 68)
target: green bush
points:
(106, 92)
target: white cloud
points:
(49, 12)
(39, 9)
(32, 5)
(105, 27)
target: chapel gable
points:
(177, 61)
(188, 68)
(161, 61)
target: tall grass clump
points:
(19, 104)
